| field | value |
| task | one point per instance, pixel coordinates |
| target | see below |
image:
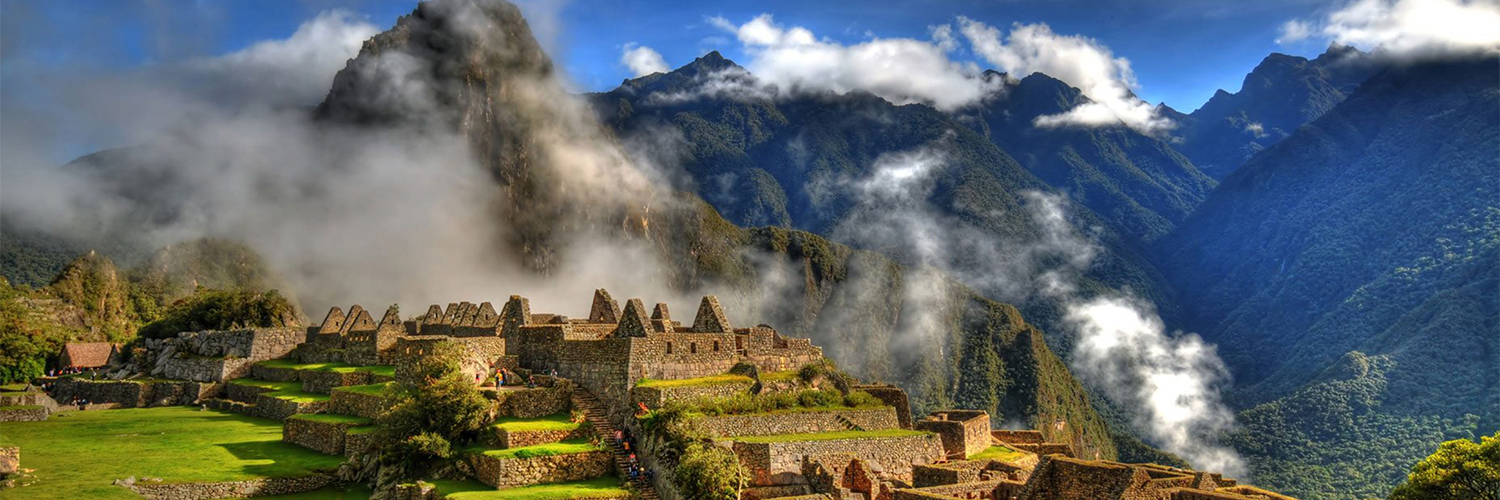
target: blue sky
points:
(1181, 50)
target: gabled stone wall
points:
(513, 472)
(964, 432)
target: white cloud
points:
(1256, 129)
(1295, 30)
(1410, 27)
(1080, 61)
(901, 70)
(643, 60)
(298, 69)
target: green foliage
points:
(710, 473)
(1459, 470)
(435, 409)
(566, 447)
(1334, 440)
(222, 310)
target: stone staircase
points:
(848, 424)
(594, 411)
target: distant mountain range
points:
(1334, 227)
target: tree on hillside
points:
(435, 409)
(1460, 470)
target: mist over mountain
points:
(1281, 283)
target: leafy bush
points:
(710, 473)
(1459, 469)
(435, 409)
(220, 310)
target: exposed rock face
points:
(473, 67)
(10, 460)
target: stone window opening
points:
(693, 348)
(716, 346)
(669, 348)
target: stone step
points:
(594, 413)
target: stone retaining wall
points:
(518, 439)
(23, 413)
(131, 394)
(798, 422)
(10, 460)
(656, 397)
(280, 409)
(323, 382)
(231, 489)
(357, 403)
(888, 457)
(358, 442)
(964, 432)
(512, 472)
(323, 437)
(534, 402)
(216, 356)
(274, 374)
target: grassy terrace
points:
(567, 447)
(290, 391)
(79, 455)
(19, 407)
(780, 376)
(333, 418)
(696, 382)
(389, 371)
(828, 436)
(369, 389)
(600, 487)
(553, 422)
(998, 452)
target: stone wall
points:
(324, 437)
(799, 422)
(356, 442)
(130, 393)
(534, 402)
(964, 432)
(279, 409)
(10, 460)
(967, 471)
(518, 439)
(656, 397)
(23, 413)
(888, 457)
(975, 490)
(323, 382)
(216, 356)
(893, 396)
(1055, 475)
(512, 472)
(274, 374)
(231, 489)
(356, 403)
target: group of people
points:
(505, 377)
(638, 474)
(71, 370)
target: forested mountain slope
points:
(1279, 95)
(1375, 228)
(1137, 183)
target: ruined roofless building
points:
(605, 352)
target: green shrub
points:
(710, 473)
(434, 409)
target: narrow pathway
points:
(594, 411)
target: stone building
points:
(605, 352)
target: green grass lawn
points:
(606, 486)
(333, 418)
(542, 450)
(824, 436)
(78, 454)
(779, 376)
(267, 384)
(553, 422)
(18, 386)
(998, 452)
(725, 379)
